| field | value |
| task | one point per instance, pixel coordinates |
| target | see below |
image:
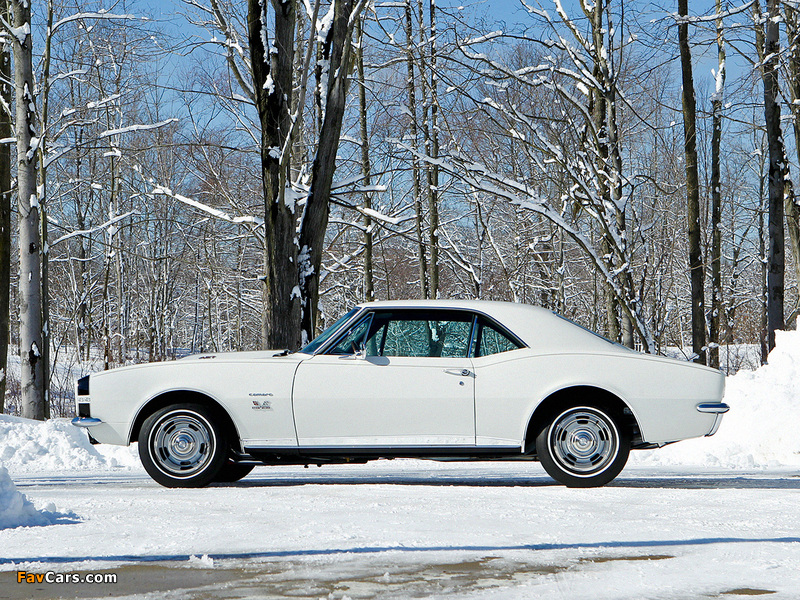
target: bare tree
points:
(431, 133)
(716, 198)
(30, 299)
(793, 80)
(768, 43)
(272, 85)
(5, 200)
(337, 59)
(576, 178)
(415, 163)
(366, 166)
(696, 272)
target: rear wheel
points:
(583, 446)
(182, 446)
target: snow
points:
(56, 445)
(21, 33)
(480, 530)
(379, 216)
(108, 224)
(15, 509)
(269, 85)
(760, 430)
(702, 518)
(219, 214)
(137, 127)
(324, 24)
(100, 14)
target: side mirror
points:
(359, 350)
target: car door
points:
(396, 378)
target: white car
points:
(425, 379)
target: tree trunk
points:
(42, 192)
(599, 110)
(790, 203)
(5, 211)
(776, 259)
(432, 150)
(30, 299)
(336, 53)
(692, 191)
(762, 249)
(272, 81)
(716, 201)
(415, 167)
(369, 286)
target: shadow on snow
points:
(367, 550)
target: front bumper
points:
(715, 408)
(86, 422)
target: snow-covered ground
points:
(707, 518)
(412, 529)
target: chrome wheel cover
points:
(182, 444)
(583, 441)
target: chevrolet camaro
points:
(439, 379)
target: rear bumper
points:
(715, 408)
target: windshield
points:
(323, 337)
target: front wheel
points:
(583, 446)
(182, 446)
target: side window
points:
(410, 333)
(422, 337)
(492, 341)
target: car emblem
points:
(265, 405)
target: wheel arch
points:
(572, 396)
(179, 397)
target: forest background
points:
(211, 175)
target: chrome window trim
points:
(476, 314)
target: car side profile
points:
(438, 379)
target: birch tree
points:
(30, 299)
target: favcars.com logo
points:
(53, 577)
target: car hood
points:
(222, 358)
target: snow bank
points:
(55, 445)
(762, 428)
(16, 510)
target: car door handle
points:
(459, 372)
